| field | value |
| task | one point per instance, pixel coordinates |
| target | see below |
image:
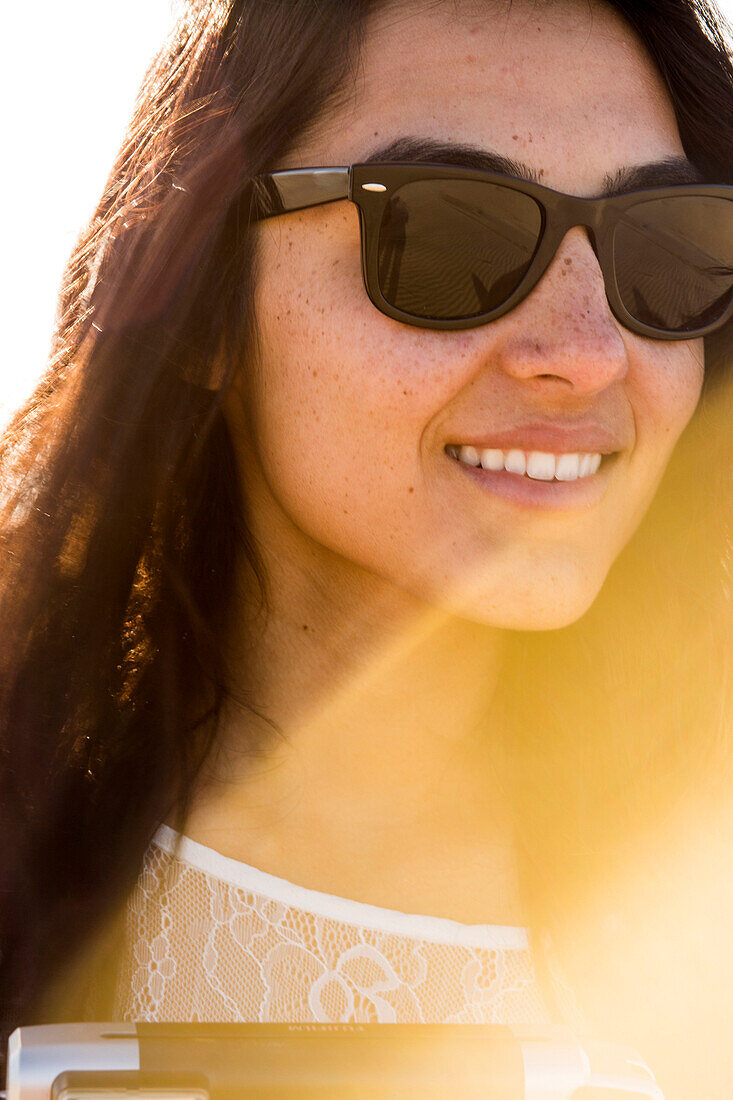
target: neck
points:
(367, 688)
(383, 711)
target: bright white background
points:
(69, 72)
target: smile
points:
(538, 465)
(536, 479)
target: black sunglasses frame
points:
(369, 187)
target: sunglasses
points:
(451, 248)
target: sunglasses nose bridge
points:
(577, 213)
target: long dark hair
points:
(122, 516)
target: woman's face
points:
(351, 412)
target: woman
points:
(265, 584)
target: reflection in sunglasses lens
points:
(673, 261)
(455, 248)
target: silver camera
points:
(97, 1061)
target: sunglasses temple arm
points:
(281, 192)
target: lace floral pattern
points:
(200, 947)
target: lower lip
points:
(584, 492)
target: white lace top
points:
(211, 939)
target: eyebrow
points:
(418, 150)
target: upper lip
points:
(580, 436)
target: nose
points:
(563, 335)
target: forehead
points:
(563, 85)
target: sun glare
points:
(68, 81)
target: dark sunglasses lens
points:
(673, 261)
(454, 249)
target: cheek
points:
(665, 389)
(344, 392)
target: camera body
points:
(159, 1061)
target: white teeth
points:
(566, 467)
(515, 462)
(492, 460)
(469, 455)
(539, 465)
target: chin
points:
(555, 601)
(552, 616)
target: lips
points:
(555, 437)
